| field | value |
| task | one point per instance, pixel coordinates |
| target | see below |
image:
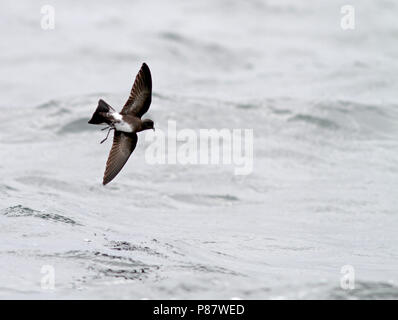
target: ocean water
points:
(322, 103)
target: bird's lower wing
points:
(122, 147)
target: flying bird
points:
(125, 124)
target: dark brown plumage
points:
(127, 123)
(141, 94)
(122, 147)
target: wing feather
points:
(141, 94)
(122, 147)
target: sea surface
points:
(323, 195)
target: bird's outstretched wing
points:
(141, 94)
(122, 147)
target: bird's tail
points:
(100, 114)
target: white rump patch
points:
(117, 116)
(121, 125)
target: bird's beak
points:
(153, 128)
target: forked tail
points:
(100, 114)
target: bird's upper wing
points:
(122, 147)
(140, 96)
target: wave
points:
(313, 120)
(366, 290)
(77, 126)
(21, 211)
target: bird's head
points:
(148, 124)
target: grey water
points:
(322, 103)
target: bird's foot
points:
(110, 129)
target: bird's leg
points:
(110, 129)
(105, 128)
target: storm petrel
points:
(125, 124)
